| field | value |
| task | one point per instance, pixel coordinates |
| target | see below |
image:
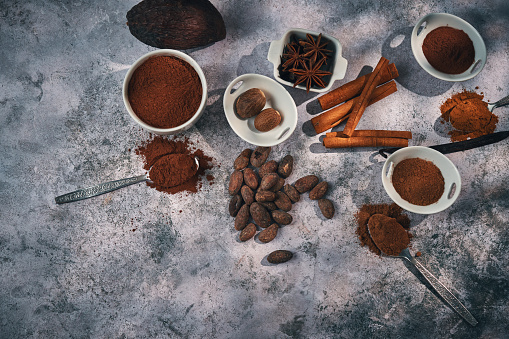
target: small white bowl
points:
(277, 98)
(338, 64)
(194, 118)
(435, 20)
(450, 173)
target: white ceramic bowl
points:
(435, 20)
(277, 98)
(194, 118)
(338, 64)
(450, 173)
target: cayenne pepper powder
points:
(469, 116)
(159, 147)
(449, 50)
(367, 211)
(418, 181)
(165, 91)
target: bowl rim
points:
(237, 93)
(340, 63)
(165, 52)
(468, 74)
(416, 152)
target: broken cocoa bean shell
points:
(281, 217)
(292, 193)
(236, 180)
(327, 208)
(250, 178)
(268, 181)
(279, 256)
(176, 24)
(263, 196)
(283, 202)
(235, 205)
(268, 234)
(260, 215)
(306, 183)
(285, 166)
(247, 194)
(269, 167)
(248, 232)
(260, 155)
(242, 218)
(318, 191)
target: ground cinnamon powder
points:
(364, 214)
(154, 149)
(449, 50)
(165, 91)
(418, 181)
(469, 116)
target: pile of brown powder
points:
(159, 146)
(469, 116)
(365, 213)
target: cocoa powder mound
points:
(153, 149)
(364, 214)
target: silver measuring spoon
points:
(500, 103)
(447, 295)
(109, 186)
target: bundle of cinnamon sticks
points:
(354, 97)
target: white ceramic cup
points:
(194, 118)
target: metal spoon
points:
(500, 103)
(449, 298)
(106, 187)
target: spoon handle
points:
(444, 292)
(93, 191)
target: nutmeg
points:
(268, 119)
(250, 103)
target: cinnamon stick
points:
(338, 114)
(374, 133)
(361, 105)
(354, 88)
(335, 142)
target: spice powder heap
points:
(159, 147)
(165, 91)
(418, 181)
(468, 115)
(387, 234)
(367, 211)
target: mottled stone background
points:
(79, 270)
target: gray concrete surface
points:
(80, 271)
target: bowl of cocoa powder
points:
(448, 47)
(165, 91)
(421, 180)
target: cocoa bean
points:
(235, 205)
(327, 208)
(279, 184)
(236, 180)
(306, 183)
(279, 256)
(247, 194)
(248, 232)
(263, 196)
(282, 217)
(268, 181)
(268, 234)
(318, 191)
(259, 156)
(285, 166)
(260, 215)
(242, 218)
(250, 178)
(269, 205)
(241, 162)
(292, 193)
(268, 167)
(283, 202)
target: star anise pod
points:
(310, 74)
(313, 49)
(293, 56)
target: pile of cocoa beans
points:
(262, 198)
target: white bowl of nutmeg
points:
(259, 110)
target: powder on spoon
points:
(387, 234)
(172, 170)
